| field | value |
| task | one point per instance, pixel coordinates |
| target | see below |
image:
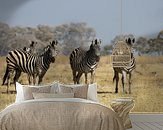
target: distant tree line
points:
(70, 36)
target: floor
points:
(146, 121)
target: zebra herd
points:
(36, 65)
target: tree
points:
(141, 46)
(74, 35)
(44, 33)
(107, 50)
(156, 46)
(70, 36)
(5, 34)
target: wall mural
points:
(126, 66)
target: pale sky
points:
(139, 17)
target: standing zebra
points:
(85, 61)
(30, 49)
(34, 65)
(125, 70)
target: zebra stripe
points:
(128, 67)
(82, 61)
(131, 67)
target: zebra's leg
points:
(29, 78)
(34, 79)
(74, 76)
(117, 80)
(8, 83)
(9, 79)
(41, 77)
(92, 76)
(6, 75)
(129, 89)
(78, 77)
(16, 77)
(123, 83)
(124, 74)
(86, 78)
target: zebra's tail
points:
(5, 76)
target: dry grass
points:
(147, 82)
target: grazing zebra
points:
(125, 70)
(34, 65)
(85, 61)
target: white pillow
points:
(27, 91)
(79, 90)
(92, 92)
(20, 90)
(53, 95)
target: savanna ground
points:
(147, 82)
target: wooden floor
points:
(146, 121)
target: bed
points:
(59, 111)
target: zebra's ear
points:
(53, 43)
(96, 42)
(32, 44)
(126, 41)
(129, 40)
(50, 44)
(25, 48)
(92, 41)
(91, 46)
(133, 40)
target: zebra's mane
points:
(45, 50)
(91, 50)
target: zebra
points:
(30, 49)
(34, 65)
(125, 70)
(85, 61)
